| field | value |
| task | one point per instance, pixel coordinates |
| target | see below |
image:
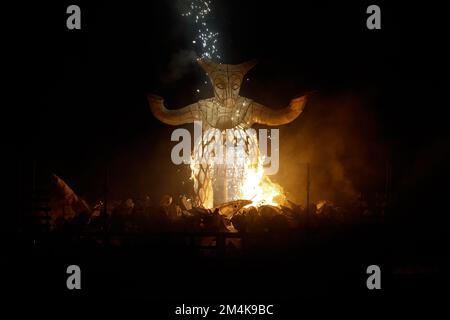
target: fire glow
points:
(258, 187)
(239, 164)
(226, 120)
(243, 175)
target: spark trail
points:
(199, 12)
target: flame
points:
(259, 188)
(245, 172)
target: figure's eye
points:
(235, 81)
(220, 85)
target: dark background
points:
(84, 92)
(81, 105)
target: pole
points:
(387, 190)
(33, 187)
(308, 183)
(105, 200)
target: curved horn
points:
(246, 66)
(276, 117)
(210, 66)
(184, 115)
(207, 65)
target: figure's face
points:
(227, 84)
(226, 79)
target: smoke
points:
(339, 139)
(180, 64)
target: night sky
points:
(379, 93)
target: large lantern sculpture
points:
(226, 119)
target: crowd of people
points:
(167, 215)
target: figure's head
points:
(226, 79)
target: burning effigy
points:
(226, 120)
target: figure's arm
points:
(276, 117)
(174, 117)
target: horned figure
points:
(216, 184)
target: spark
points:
(200, 11)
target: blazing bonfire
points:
(226, 121)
